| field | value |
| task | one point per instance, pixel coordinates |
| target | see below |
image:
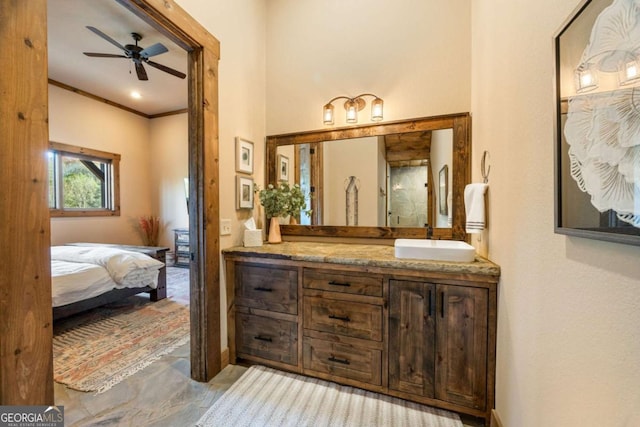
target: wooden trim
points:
(495, 419)
(224, 357)
(96, 98)
(204, 218)
(169, 113)
(91, 154)
(115, 104)
(26, 362)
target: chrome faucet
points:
(429, 232)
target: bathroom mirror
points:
(378, 180)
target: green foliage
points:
(283, 200)
(81, 190)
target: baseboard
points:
(495, 419)
(224, 358)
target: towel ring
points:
(483, 167)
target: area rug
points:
(96, 350)
(267, 397)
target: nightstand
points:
(183, 253)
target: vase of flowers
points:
(150, 229)
(279, 201)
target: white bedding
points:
(80, 273)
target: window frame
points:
(90, 154)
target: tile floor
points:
(162, 394)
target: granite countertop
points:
(361, 255)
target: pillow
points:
(118, 262)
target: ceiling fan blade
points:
(106, 37)
(154, 50)
(103, 55)
(141, 72)
(167, 69)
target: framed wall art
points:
(244, 155)
(244, 192)
(283, 168)
(597, 155)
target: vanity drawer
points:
(267, 287)
(267, 338)
(356, 363)
(352, 319)
(336, 281)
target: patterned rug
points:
(267, 397)
(95, 350)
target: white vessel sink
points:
(435, 250)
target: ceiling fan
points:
(137, 54)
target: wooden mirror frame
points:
(461, 173)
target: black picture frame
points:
(597, 170)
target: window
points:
(82, 181)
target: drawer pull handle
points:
(343, 361)
(261, 338)
(344, 319)
(261, 289)
(334, 283)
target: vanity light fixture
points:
(352, 106)
(625, 64)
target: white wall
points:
(569, 308)
(169, 165)
(413, 54)
(78, 120)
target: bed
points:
(85, 275)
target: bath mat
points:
(96, 350)
(267, 397)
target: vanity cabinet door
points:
(461, 345)
(411, 337)
(438, 341)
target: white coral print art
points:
(603, 129)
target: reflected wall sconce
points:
(352, 106)
(625, 64)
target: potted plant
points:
(275, 201)
(280, 201)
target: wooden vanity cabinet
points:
(426, 336)
(440, 333)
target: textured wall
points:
(569, 308)
(413, 54)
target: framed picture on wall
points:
(443, 190)
(244, 155)
(283, 168)
(244, 192)
(597, 155)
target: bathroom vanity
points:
(354, 314)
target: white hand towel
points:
(474, 207)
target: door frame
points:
(26, 364)
(203, 55)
